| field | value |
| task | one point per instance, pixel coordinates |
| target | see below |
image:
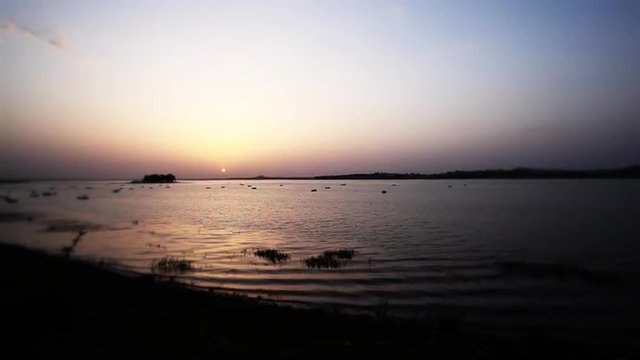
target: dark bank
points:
(55, 307)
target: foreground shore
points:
(53, 306)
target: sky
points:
(117, 89)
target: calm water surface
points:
(560, 253)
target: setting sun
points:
(223, 170)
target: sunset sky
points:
(117, 89)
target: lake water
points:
(552, 253)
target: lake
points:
(549, 253)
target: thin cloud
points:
(57, 39)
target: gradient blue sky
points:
(94, 89)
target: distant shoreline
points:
(628, 172)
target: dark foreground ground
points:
(53, 307)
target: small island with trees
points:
(156, 179)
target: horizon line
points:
(353, 174)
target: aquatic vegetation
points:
(272, 255)
(314, 190)
(68, 250)
(71, 226)
(157, 234)
(330, 259)
(82, 197)
(554, 270)
(115, 191)
(106, 263)
(322, 262)
(10, 200)
(156, 245)
(342, 254)
(169, 264)
(15, 216)
(49, 193)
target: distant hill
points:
(630, 172)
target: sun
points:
(223, 170)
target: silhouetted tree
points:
(159, 178)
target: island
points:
(156, 179)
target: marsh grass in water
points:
(68, 250)
(272, 255)
(6, 217)
(343, 254)
(10, 200)
(330, 259)
(170, 264)
(71, 226)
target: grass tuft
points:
(330, 259)
(272, 255)
(170, 264)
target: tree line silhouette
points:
(159, 178)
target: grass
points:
(10, 200)
(272, 255)
(68, 250)
(170, 264)
(342, 254)
(330, 259)
(71, 226)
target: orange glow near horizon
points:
(196, 87)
